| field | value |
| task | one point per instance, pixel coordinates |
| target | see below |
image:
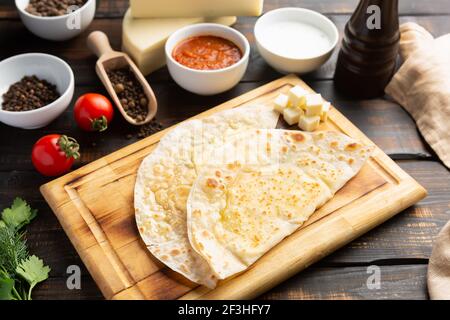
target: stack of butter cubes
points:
(300, 106)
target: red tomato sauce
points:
(207, 53)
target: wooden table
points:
(400, 247)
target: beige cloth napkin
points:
(422, 87)
(439, 267)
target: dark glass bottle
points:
(367, 59)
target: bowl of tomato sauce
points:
(207, 58)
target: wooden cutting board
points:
(94, 204)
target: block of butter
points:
(144, 39)
(194, 8)
(292, 114)
(308, 123)
(281, 103)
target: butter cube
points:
(297, 97)
(313, 105)
(291, 115)
(309, 123)
(281, 102)
(315, 110)
(325, 110)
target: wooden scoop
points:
(110, 60)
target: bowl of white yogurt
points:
(295, 40)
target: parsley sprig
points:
(19, 272)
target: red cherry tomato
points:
(54, 154)
(93, 112)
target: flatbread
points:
(240, 209)
(165, 178)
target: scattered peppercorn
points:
(130, 93)
(145, 130)
(148, 129)
(28, 94)
(53, 8)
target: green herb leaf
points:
(14, 257)
(19, 215)
(33, 270)
(13, 249)
(6, 288)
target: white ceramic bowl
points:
(58, 28)
(285, 62)
(207, 82)
(44, 66)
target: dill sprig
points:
(19, 272)
(13, 249)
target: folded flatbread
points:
(165, 178)
(271, 182)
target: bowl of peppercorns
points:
(56, 20)
(35, 89)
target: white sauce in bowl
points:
(295, 39)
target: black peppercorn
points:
(52, 8)
(130, 92)
(28, 94)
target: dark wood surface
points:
(401, 247)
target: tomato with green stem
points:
(93, 112)
(54, 154)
